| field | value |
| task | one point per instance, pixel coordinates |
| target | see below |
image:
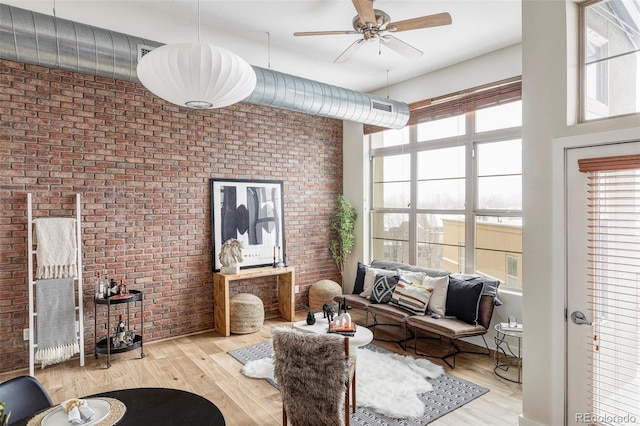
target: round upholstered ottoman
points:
(246, 313)
(322, 292)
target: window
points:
(441, 178)
(450, 197)
(390, 138)
(391, 181)
(499, 117)
(390, 236)
(440, 129)
(610, 57)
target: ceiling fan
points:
(375, 25)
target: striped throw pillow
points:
(412, 297)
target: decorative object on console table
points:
(231, 256)
(251, 211)
(275, 263)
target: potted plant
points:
(342, 224)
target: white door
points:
(603, 293)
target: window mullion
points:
(413, 196)
(470, 197)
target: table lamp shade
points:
(196, 75)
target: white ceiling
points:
(261, 32)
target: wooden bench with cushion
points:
(470, 301)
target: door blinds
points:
(614, 287)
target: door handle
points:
(578, 318)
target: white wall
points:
(355, 175)
(493, 66)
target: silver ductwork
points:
(35, 38)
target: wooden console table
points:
(286, 298)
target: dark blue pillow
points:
(463, 300)
(358, 286)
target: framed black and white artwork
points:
(251, 211)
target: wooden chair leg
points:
(284, 417)
(347, 412)
(353, 391)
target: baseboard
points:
(523, 421)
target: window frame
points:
(583, 101)
(470, 140)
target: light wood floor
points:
(199, 363)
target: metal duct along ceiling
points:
(35, 38)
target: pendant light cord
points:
(387, 84)
(55, 29)
(198, 21)
(268, 50)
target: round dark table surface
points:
(164, 407)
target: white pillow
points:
(370, 279)
(412, 277)
(438, 300)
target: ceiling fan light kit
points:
(375, 25)
(195, 75)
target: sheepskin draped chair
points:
(315, 376)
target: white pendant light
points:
(196, 75)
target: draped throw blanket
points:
(56, 321)
(56, 255)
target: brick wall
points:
(143, 167)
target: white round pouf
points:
(322, 292)
(246, 313)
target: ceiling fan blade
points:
(365, 11)
(400, 46)
(315, 33)
(421, 22)
(349, 51)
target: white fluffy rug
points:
(386, 382)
